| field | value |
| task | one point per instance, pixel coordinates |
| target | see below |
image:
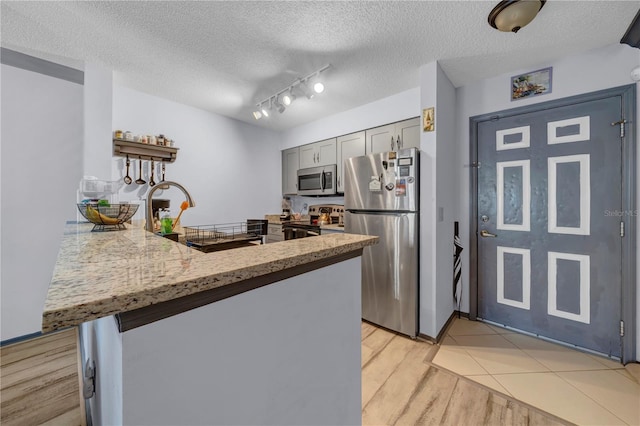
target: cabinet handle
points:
(399, 142)
(391, 143)
(338, 181)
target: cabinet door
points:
(290, 163)
(326, 152)
(379, 139)
(308, 156)
(409, 133)
(348, 146)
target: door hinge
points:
(621, 123)
(622, 229)
(621, 328)
(89, 382)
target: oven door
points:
(293, 232)
(317, 180)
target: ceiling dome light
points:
(511, 15)
(318, 87)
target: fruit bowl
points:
(109, 217)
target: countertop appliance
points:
(382, 198)
(317, 180)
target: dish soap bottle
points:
(166, 224)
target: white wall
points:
(594, 70)
(232, 169)
(438, 202)
(447, 210)
(428, 216)
(42, 132)
(387, 110)
(98, 86)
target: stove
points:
(335, 213)
(331, 213)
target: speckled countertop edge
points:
(98, 274)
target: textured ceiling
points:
(226, 56)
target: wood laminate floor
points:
(401, 387)
(40, 383)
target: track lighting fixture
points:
(285, 97)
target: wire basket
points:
(107, 217)
(203, 235)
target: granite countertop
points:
(99, 274)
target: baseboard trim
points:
(444, 329)
(20, 338)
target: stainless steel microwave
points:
(317, 180)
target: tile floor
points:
(578, 387)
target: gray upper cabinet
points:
(392, 137)
(317, 154)
(409, 132)
(290, 165)
(348, 146)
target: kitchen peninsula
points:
(268, 334)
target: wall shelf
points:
(144, 151)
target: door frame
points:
(628, 290)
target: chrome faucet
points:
(163, 185)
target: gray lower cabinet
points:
(274, 233)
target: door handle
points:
(485, 233)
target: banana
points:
(96, 217)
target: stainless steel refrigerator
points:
(381, 197)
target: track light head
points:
(265, 111)
(305, 89)
(318, 87)
(257, 114)
(278, 106)
(288, 97)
